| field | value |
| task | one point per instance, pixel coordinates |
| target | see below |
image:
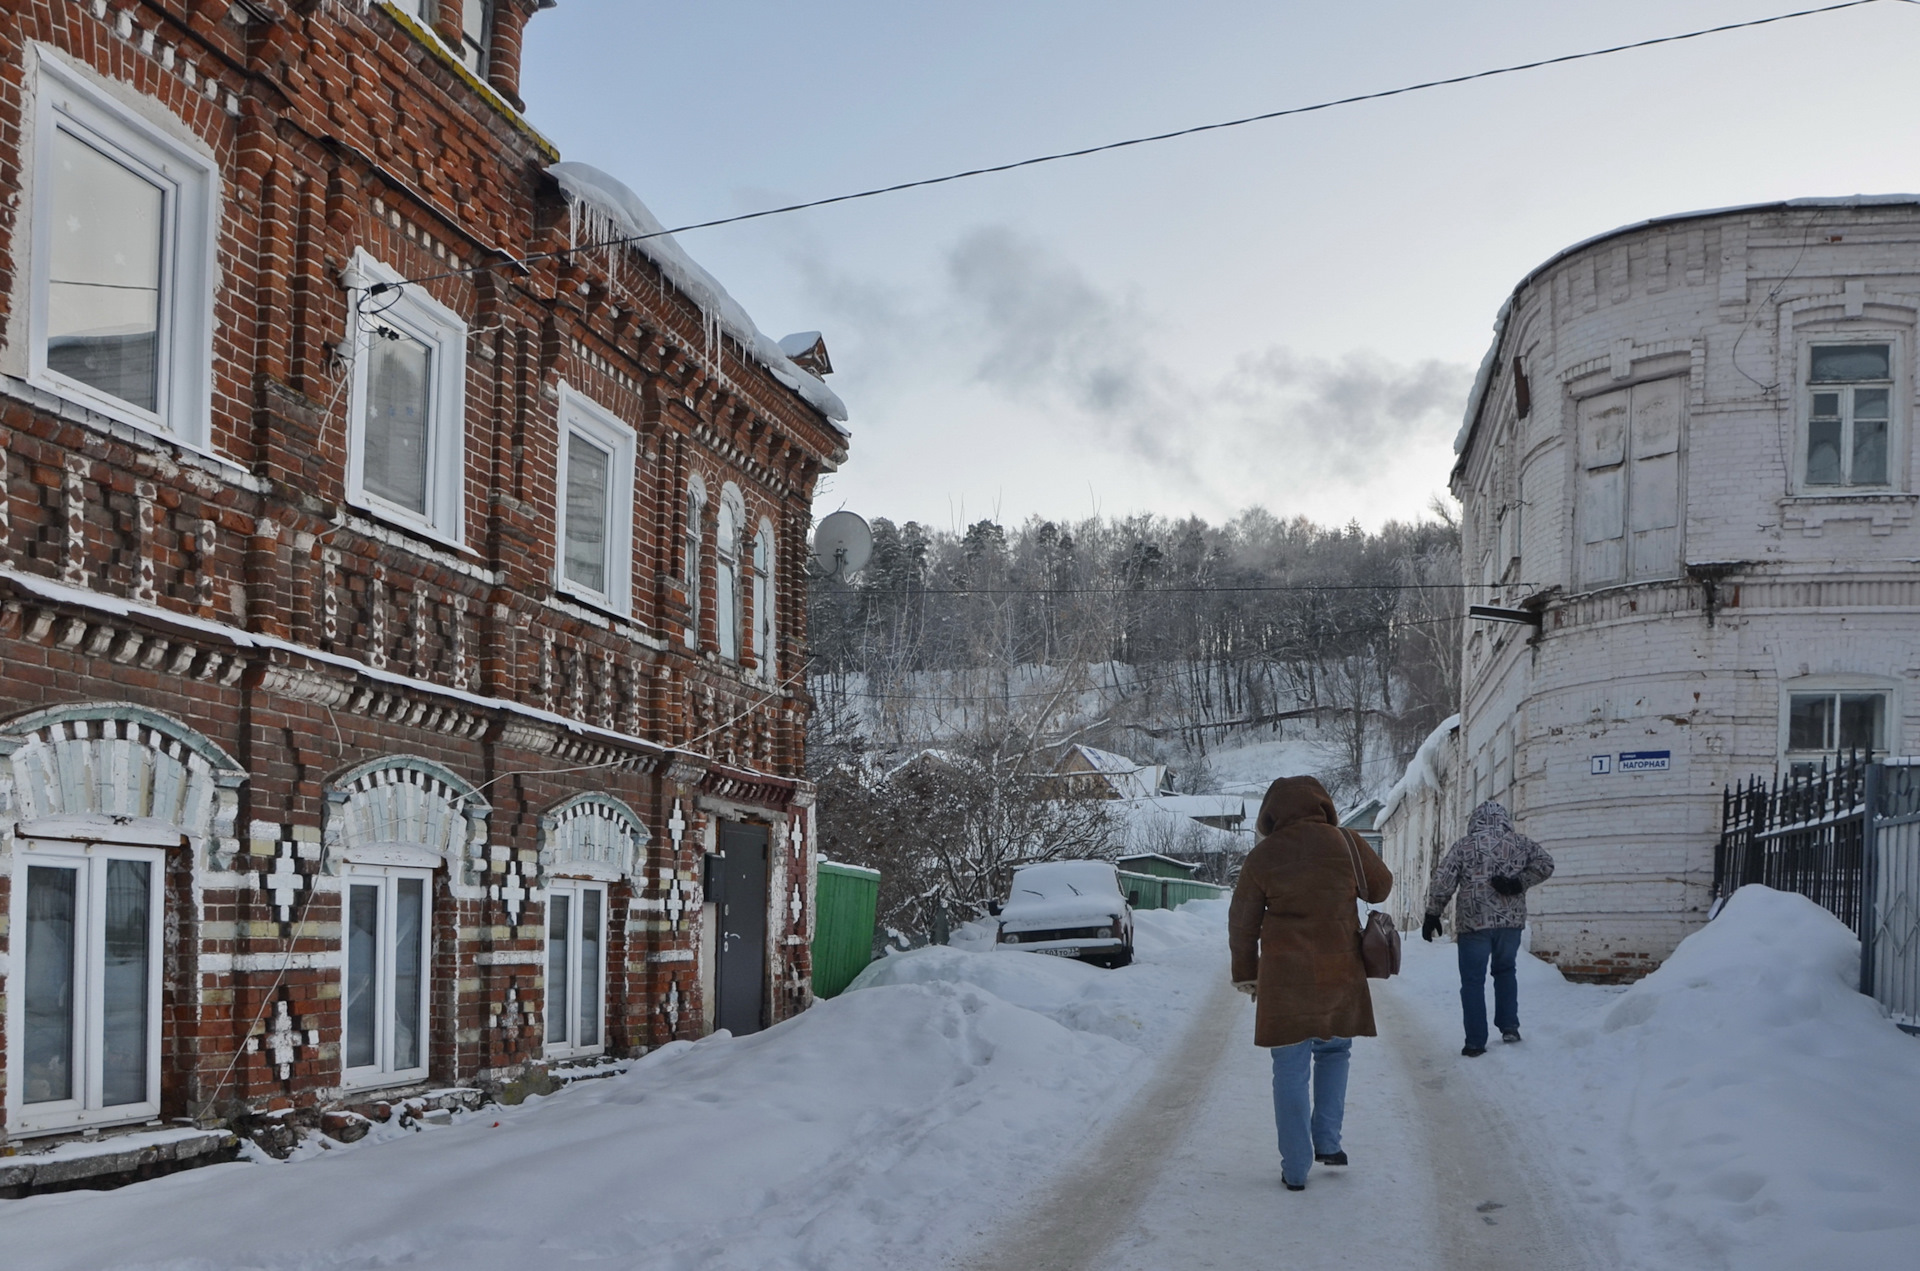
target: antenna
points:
(842, 544)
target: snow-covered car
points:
(1071, 909)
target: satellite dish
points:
(842, 544)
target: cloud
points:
(1037, 326)
(1009, 318)
(1341, 416)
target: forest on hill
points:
(949, 674)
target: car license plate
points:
(1058, 953)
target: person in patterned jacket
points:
(1490, 870)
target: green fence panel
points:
(1149, 891)
(843, 925)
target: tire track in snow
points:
(1501, 1200)
(1088, 1208)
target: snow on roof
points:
(1485, 377)
(1199, 805)
(1189, 866)
(604, 208)
(799, 342)
(1421, 772)
(1107, 761)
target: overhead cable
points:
(1149, 139)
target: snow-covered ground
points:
(1742, 1108)
(887, 1127)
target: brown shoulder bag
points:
(1379, 938)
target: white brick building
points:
(1690, 452)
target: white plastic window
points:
(407, 452)
(387, 925)
(1849, 402)
(121, 315)
(690, 556)
(595, 512)
(85, 995)
(726, 580)
(763, 602)
(576, 968)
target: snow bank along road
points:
(1742, 1108)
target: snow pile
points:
(1744, 1106)
(881, 1129)
(603, 209)
(1422, 770)
(1775, 1107)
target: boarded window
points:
(1630, 444)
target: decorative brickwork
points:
(230, 667)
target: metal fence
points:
(1149, 891)
(843, 925)
(1800, 833)
(1847, 837)
(1890, 934)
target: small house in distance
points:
(1086, 771)
(1157, 865)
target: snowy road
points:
(1188, 1175)
(1744, 1109)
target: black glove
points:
(1507, 884)
(1430, 928)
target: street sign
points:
(1646, 760)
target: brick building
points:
(401, 611)
(1690, 453)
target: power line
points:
(1151, 138)
(1197, 590)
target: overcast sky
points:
(1285, 314)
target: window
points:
(763, 628)
(476, 29)
(122, 249)
(576, 967)
(88, 926)
(726, 578)
(690, 556)
(1630, 483)
(1849, 404)
(595, 513)
(384, 1007)
(407, 444)
(1824, 724)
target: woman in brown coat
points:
(1295, 938)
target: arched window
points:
(391, 824)
(690, 555)
(763, 629)
(99, 795)
(726, 574)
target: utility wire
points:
(910, 591)
(1083, 152)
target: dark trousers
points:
(1501, 945)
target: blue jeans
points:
(1502, 945)
(1304, 1134)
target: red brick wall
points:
(335, 130)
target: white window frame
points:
(693, 548)
(1899, 389)
(569, 1011)
(1835, 686)
(190, 186)
(412, 312)
(382, 1072)
(766, 644)
(86, 1110)
(608, 432)
(728, 616)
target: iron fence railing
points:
(1802, 833)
